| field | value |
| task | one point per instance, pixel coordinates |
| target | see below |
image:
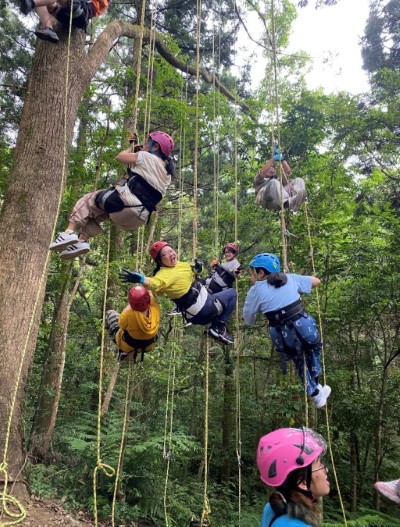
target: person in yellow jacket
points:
(135, 329)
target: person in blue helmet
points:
(294, 332)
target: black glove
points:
(127, 276)
(198, 266)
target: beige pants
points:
(87, 216)
(269, 196)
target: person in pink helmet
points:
(289, 461)
(389, 489)
(223, 274)
(129, 203)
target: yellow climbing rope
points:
(6, 499)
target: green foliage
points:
(346, 149)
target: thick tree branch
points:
(118, 28)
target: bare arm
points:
(127, 157)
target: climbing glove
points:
(197, 266)
(277, 155)
(128, 276)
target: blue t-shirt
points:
(263, 297)
(282, 521)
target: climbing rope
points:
(328, 430)
(206, 505)
(107, 469)
(128, 391)
(6, 499)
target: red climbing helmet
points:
(281, 452)
(156, 248)
(139, 298)
(233, 247)
(164, 140)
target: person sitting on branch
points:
(289, 461)
(48, 10)
(294, 333)
(135, 329)
(128, 204)
(178, 281)
(223, 275)
(270, 193)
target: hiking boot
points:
(390, 489)
(296, 201)
(121, 355)
(27, 6)
(173, 312)
(218, 332)
(322, 396)
(111, 322)
(47, 33)
(62, 241)
(75, 250)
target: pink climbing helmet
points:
(281, 452)
(232, 246)
(164, 140)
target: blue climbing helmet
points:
(267, 261)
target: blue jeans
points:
(228, 299)
(298, 341)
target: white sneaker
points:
(321, 398)
(62, 241)
(75, 250)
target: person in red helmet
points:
(224, 274)
(129, 203)
(179, 282)
(290, 461)
(135, 329)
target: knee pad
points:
(219, 306)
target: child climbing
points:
(178, 281)
(289, 461)
(135, 329)
(294, 333)
(128, 204)
(49, 10)
(268, 187)
(224, 274)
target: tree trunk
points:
(52, 373)
(26, 222)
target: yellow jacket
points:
(138, 326)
